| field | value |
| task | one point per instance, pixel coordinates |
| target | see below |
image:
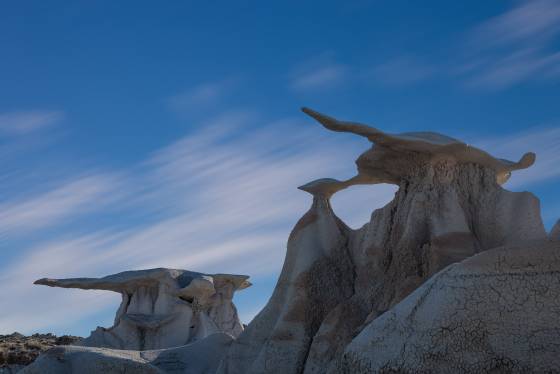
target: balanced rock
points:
(496, 312)
(163, 308)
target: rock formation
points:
(456, 274)
(496, 312)
(449, 206)
(316, 277)
(163, 308)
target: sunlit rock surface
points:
(163, 308)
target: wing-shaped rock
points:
(394, 156)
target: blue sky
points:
(142, 134)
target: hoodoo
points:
(163, 308)
(449, 206)
(316, 277)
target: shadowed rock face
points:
(555, 232)
(163, 308)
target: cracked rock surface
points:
(496, 312)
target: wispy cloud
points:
(200, 96)
(77, 197)
(530, 21)
(514, 47)
(517, 46)
(227, 198)
(318, 76)
(20, 123)
(401, 71)
(515, 68)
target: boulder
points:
(200, 357)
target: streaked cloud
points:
(200, 96)
(76, 197)
(517, 46)
(514, 47)
(221, 199)
(318, 76)
(20, 123)
(401, 71)
(529, 21)
(515, 68)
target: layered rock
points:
(163, 308)
(317, 275)
(496, 312)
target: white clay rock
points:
(163, 308)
